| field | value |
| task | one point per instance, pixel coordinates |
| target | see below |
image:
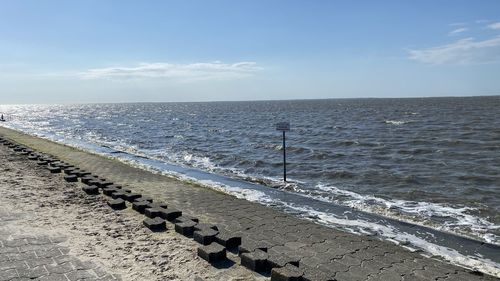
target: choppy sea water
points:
(431, 161)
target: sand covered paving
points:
(54, 225)
(277, 245)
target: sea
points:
(429, 161)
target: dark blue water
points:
(434, 161)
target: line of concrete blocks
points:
(214, 242)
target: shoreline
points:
(181, 194)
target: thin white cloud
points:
(495, 26)
(182, 72)
(457, 31)
(464, 51)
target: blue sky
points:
(125, 51)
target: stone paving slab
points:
(42, 257)
(321, 253)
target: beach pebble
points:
(212, 253)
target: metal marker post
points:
(283, 126)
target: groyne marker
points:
(283, 126)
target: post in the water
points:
(283, 126)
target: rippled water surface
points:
(434, 161)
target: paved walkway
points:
(268, 236)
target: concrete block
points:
(158, 205)
(109, 190)
(205, 237)
(170, 214)
(82, 173)
(130, 197)
(228, 240)
(155, 224)
(42, 162)
(286, 273)
(185, 228)
(144, 198)
(117, 204)
(87, 179)
(71, 178)
(276, 260)
(256, 260)
(104, 183)
(205, 226)
(153, 212)
(118, 194)
(91, 190)
(212, 253)
(54, 170)
(69, 170)
(139, 206)
(186, 218)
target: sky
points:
(147, 51)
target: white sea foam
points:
(415, 212)
(387, 231)
(395, 122)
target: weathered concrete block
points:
(54, 170)
(71, 178)
(118, 194)
(248, 245)
(275, 260)
(158, 205)
(93, 181)
(18, 148)
(170, 214)
(69, 170)
(286, 273)
(155, 224)
(87, 179)
(186, 218)
(109, 190)
(228, 240)
(42, 163)
(212, 253)
(205, 226)
(104, 183)
(117, 204)
(114, 185)
(256, 260)
(145, 198)
(205, 237)
(185, 228)
(130, 197)
(139, 206)
(82, 173)
(153, 212)
(91, 190)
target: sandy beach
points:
(36, 203)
